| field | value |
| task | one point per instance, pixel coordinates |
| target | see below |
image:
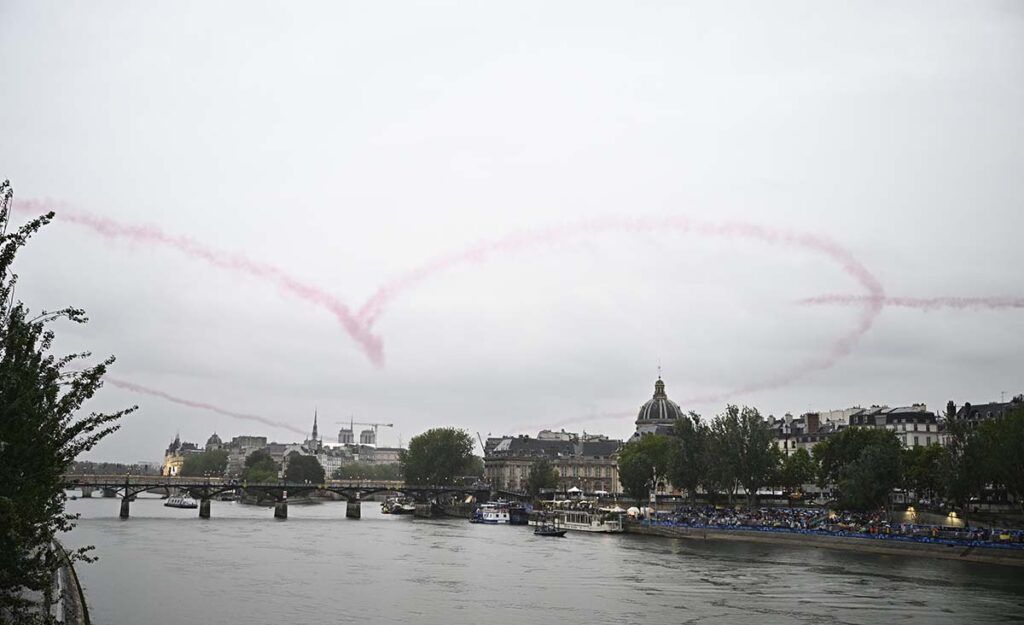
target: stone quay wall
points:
(988, 555)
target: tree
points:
(922, 469)
(41, 431)
(746, 450)
(965, 470)
(476, 467)
(797, 469)
(542, 475)
(867, 481)
(437, 457)
(301, 469)
(863, 464)
(212, 463)
(643, 464)
(260, 467)
(689, 463)
(1003, 441)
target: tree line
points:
(860, 466)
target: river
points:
(165, 566)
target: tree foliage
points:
(212, 463)
(260, 467)
(440, 456)
(689, 463)
(41, 429)
(366, 471)
(542, 476)
(923, 469)
(301, 469)
(863, 465)
(644, 463)
(797, 469)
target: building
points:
(239, 449)
(346, 436)
(913, 425)
(588, 462)
(174, 456)
(657, 415)
(976, 414)
(803, 432)
(214, 443)
(368, 437)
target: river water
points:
(165, 566)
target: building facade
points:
(174, 456)
(588, 462)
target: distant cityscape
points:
(585, 461)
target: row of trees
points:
(861, 466)
(735, 449)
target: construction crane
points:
(376, 427)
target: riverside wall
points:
(987, 555)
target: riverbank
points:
(962, 553)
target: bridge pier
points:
(204, 508)
(87, 492)
(109, 493)
(281, 510)
(125, 504)
(424, 510)
(353, 509)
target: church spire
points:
(314, 424)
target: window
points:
(916, 443)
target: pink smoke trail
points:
(136, 388)
(921, 303)
(520, 241)
(110, 229)
(359, 326)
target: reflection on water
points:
(165, 567)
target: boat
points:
(604, 521)
(181, 501)
(397, 505)
(548, 526)
(500, 513)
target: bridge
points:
(204, 489)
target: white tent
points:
(574, 490)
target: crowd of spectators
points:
(827, 522)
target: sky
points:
(506, 216)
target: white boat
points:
(181, 501)
(604, 521)
(491, 513)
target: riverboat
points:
(603, 521)
(181, 501)
(500, 513)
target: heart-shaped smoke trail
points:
(359, 325)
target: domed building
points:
(658, 415)
(214, 442)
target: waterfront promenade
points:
(851, 532)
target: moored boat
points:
(500, 513)
(595, 520)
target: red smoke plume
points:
(110, 229)
(922, 303)
(200, 405)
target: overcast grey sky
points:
(351, 143)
